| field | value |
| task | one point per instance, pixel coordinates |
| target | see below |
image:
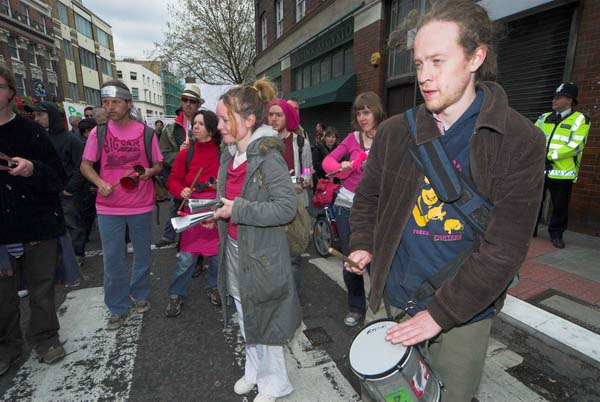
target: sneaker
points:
(174, 306)
(264, 398)
(23, 293)
(163, 243)
(558, 243)
(116, 321)
(352, 319)
(53, 354)
(129, 248)
(215, 297)
(242, 387)
(140, 306)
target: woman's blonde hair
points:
(246, 100)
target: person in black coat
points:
(31, 179)
(322, 149)
(70, 149)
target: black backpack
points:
(101, 130)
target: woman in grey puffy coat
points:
(254, 260)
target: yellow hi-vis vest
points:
(565, 140)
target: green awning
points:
(339, 89)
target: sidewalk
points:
(558, 296)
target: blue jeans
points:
(118, 285)
(169, 233)
(182, 277)
(355, 283)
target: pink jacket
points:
(348, 147)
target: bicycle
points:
(325, 231)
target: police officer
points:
(566, 134)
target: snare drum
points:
(391, 372)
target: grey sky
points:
(136, 24)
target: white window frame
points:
(135, 93)
(49, 65)
(63, 12)
(300, 9)
(68, 49)
(279, 18)
(42, 22)
(32, 50)
(25, 7)
(14, 47)
(6, 3)
(119, 74)
(82, 25)
(133, 75)
(20, 79)
(104, 35)
(263, 31)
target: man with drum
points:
(401, 227)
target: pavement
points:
(558, 295)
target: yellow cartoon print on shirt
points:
(428, 208)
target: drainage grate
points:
(569, 307)
(317, 336)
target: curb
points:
(552, 329)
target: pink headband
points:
(292, 119)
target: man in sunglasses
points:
(175, 138)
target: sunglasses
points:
(187, 100)
(6, 162)
(129, 182)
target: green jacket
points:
(565, 140)
(268, 295)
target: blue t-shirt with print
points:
(436, 233)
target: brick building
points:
(27, 48)
(325, 52)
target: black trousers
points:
(75, 226)
(38, 266)
(560, 194)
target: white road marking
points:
(312, 372)
(99, 363)
(496, 384)
(93, 253)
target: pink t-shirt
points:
(122, 149)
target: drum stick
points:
(340, 170)
(192, 187)
(343, 257)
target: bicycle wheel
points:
(322, 236)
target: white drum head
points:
(371, 356)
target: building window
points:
(279, 17)
(102, 37)
(42, 21)
(120, 74)
(135, 93)
(74, 92)
(68, 49)
(106, 67)
(13, 49)
(20, 81)
(337, 64)
(87, 59)
(49, 65)
(83, 26)
(25, 14)
(51, 88)
(263, 31)
(133, 76)
(63, 14)
(5, 7)
(400, 59)
(31, 54)
(348, 61)
(300, 9)
(92, 96)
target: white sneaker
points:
(264, 398)
(242, 387)
(23, 293)
(129, 248)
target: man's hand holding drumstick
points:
(356, 262)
